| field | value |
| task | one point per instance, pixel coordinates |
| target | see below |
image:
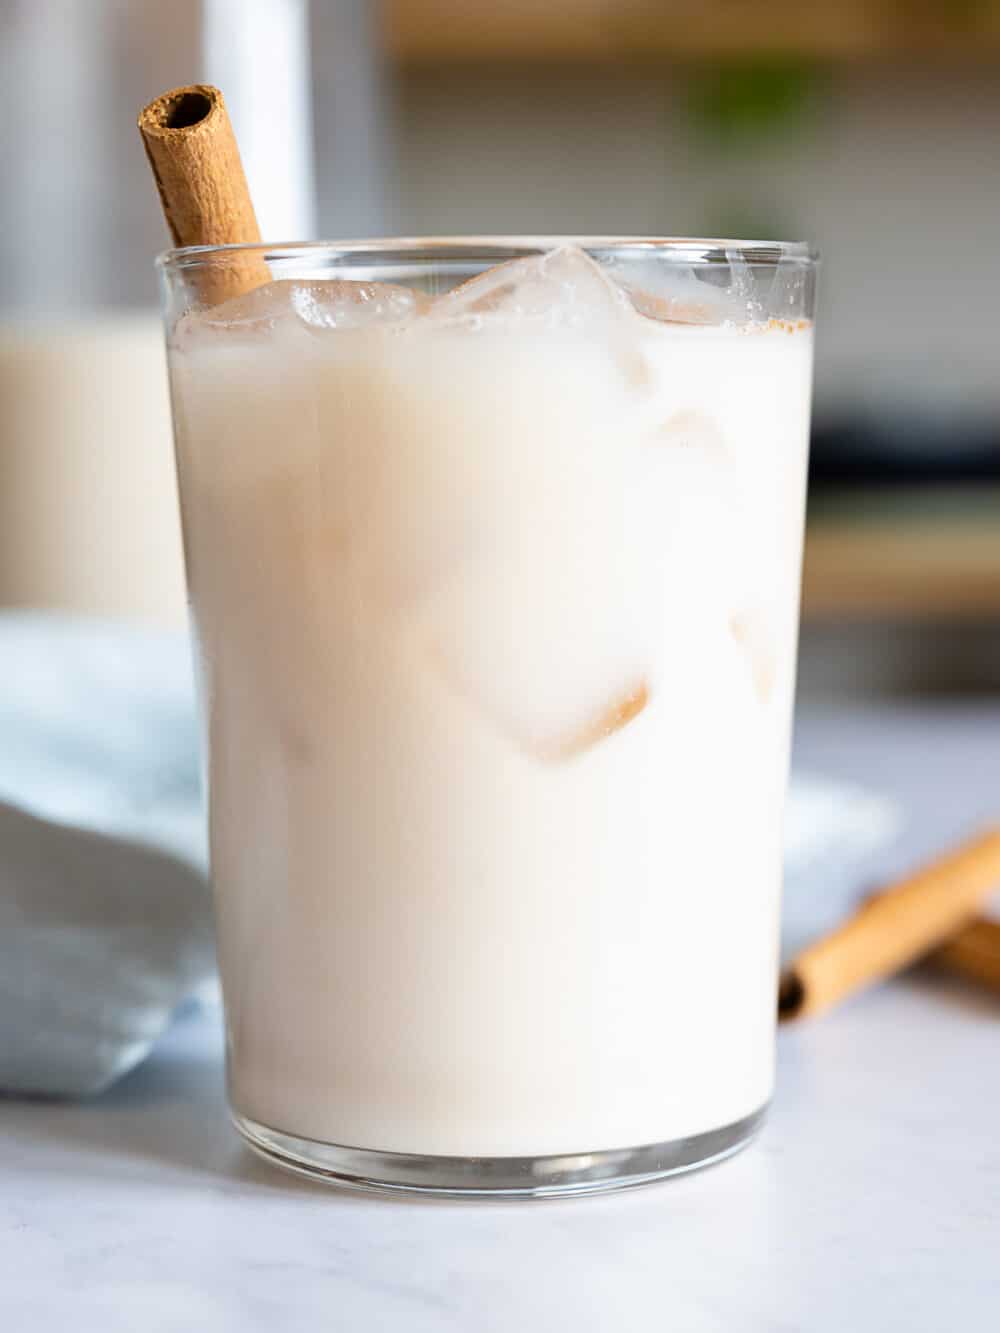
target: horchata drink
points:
(493, 551)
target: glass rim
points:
(690, 250)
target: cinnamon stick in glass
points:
(195, 161)
(893, 929)
(974, 953)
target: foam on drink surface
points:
(516, 566)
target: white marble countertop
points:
(870, 1203)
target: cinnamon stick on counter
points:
(973, 953)
(893, 929)
(192, 151)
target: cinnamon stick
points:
(893, 929)
(195, 161)
(973, 953)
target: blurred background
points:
(869, 127)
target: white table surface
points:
(870, 1203)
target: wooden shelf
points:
(939, 560)
(432, 31)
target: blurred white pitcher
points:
(88, 504)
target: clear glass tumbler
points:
(493, 550)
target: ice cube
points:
(331, 303)
(562, 289)
(691, 476)
(671, 295)
(551, 669)
(547, 637)
(261, 307)
(611, 719)
(255, 312)
(673, 308)
(474, 442)
(339, 304)
(687, 506)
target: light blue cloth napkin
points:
(105, 928)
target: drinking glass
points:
(493, 552)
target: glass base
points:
(496, 1177)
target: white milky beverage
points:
(496, 597)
